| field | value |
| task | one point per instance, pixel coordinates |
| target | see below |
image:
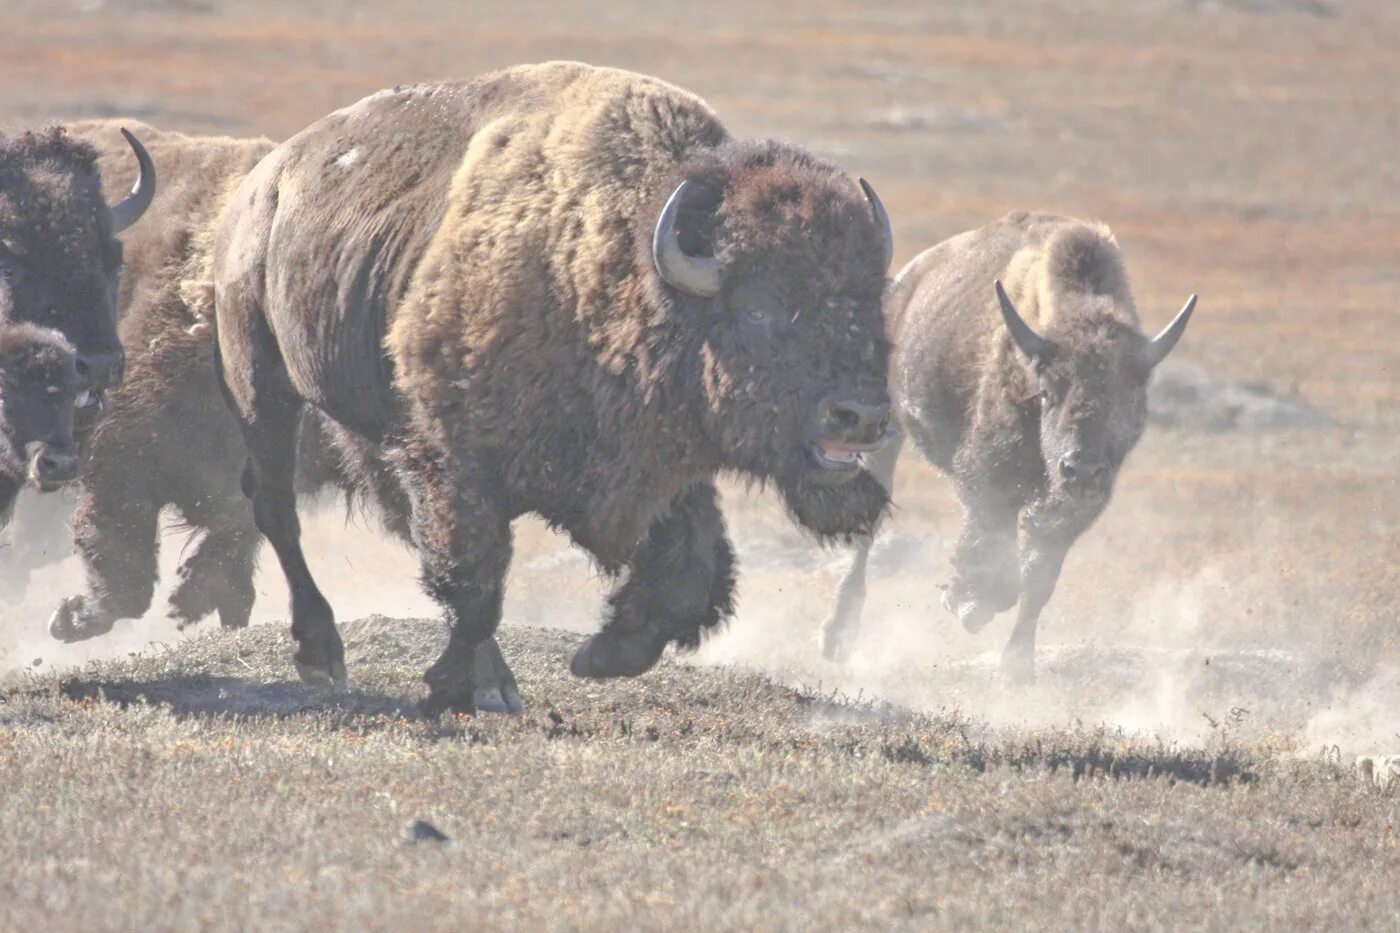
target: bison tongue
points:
(838, 452)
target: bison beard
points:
(840, 513)
(593, 301)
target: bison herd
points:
(555, 289)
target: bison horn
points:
(130, 208)
(1162, 344)
(882, 220)
(1029, 342)
(696, 275)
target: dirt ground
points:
(1238, 603)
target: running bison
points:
(1028, 397)
(59, 256)
(563, 290)
(38, 388)
(166, 438)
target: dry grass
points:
(200, 789)
(1240, 597)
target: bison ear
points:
(692, 273)
(1027, 341)
(1162, 344)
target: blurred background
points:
(1242, 149)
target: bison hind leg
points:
(218, 577)
(271, 437)
(681, 586)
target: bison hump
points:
(1085, 257)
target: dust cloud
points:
(1164, 662)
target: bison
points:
(38, 389)
(1019, 370)
(563, 290)
(166, 438)
(59, 256)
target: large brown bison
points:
(1028, 397)
(59, 256)
(563, 290)
(166, 438)
(38, 388)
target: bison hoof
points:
(1018, 666)
(974, 614)
(836, 643)
(618, 654)
(321, 666)
(72, 622)
(495, 691)
(495, 700)
(442, 700)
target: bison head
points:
(1092, 372)
(780, 263)
(38, 385)
(59, 258)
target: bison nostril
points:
(1067, 469)
(842, 420)
(57, 466)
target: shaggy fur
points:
(494, 237)
(167, 438)
(59, 262)
(1002, 426)
(38, 384)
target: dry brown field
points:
(1225, 635)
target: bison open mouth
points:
(838, 461)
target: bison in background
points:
(166, 438)
(59, 256)
(38, 388)
(1028, 396)
(563, 290)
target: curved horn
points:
(130, 208)
(882, 220)
(696, 275)
(1162, 344)
(1029, 342)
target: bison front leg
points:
(1040, 570)
(1048, 533)
(985, 581)
(116, 530)
(464, 541)
(839, 633)
(679, 586)
(218, 576)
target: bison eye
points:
(1047, 398)
(756, 316)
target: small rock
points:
(423, 831)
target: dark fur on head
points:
(798, 243)
(37, 388)
(59, 262)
